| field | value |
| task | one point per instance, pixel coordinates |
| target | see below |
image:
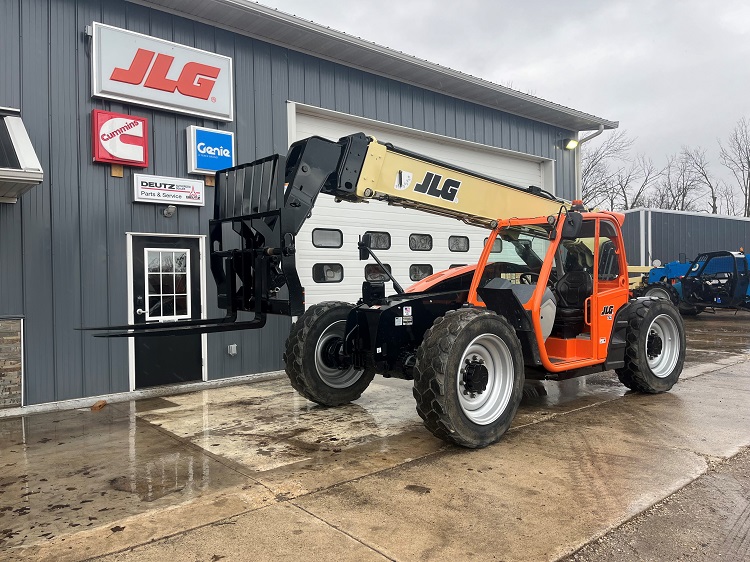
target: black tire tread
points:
(293, 356)
(633, 374)
(432, 356)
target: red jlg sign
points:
(152, 69)
(135, 68)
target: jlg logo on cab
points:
(149, 68)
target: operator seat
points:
(572, 290)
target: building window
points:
(373, 272)
(379, 240)
(458, 243)
(168, 284)
(420, 242)
(19, 166)
(497, 246)
(328, 273)
(418, 272)
(453, 265)
(327, 238)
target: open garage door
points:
(411, 243)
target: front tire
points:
(468, 379)
(655, 351)
(312, 358)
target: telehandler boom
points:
(468, 336)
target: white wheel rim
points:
(333, 377)
(485, 407)
(665, 328)
(659, 293)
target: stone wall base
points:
(10, 363)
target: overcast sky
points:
(672, 73)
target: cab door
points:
(610, 285)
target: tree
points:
(679, 185)
(735, 155)
(600, 166)
(633, 185)
(720, 195)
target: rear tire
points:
(655, 351)
(689, 309)
(309, 362)
(662, 291)
(461, 408)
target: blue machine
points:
(716, 280)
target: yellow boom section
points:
(407, 179)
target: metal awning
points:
(20, 169)
(270, 25)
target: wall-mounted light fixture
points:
(570, 144)
(169, 211)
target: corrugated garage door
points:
(418, 243)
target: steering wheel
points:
(531, 277)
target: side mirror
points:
(656, 263)
(364, 244)
(572, 225)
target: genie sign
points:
(209, 150)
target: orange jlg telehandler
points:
(468, 336)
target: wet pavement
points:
(255, 472)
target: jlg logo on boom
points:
(431, 185)
(196, 80)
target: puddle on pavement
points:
(68, 471)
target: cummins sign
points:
(136, 68)
(119, 138)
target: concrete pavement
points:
(255, 472)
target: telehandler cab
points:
(468, 336)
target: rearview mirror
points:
(572, 225)
(364, 244)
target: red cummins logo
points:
(196, 80)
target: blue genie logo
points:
(214, 150)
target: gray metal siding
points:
(631, 229)
(62, 247)
(692, 234)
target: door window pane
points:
(328, 273)
(419, 271)
(379, 240)
(180, 305)
(167, 292)
(153, 262)
(373, 272)
(497, 245)
(458, 243)
(154, 306)
(154, 284)
(420, 242)
(180, 261)
(327, 238)
(167, 284)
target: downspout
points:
(578, 159)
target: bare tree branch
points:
(600, 166)
(716, 191)
(679, 186)
(735, 156)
